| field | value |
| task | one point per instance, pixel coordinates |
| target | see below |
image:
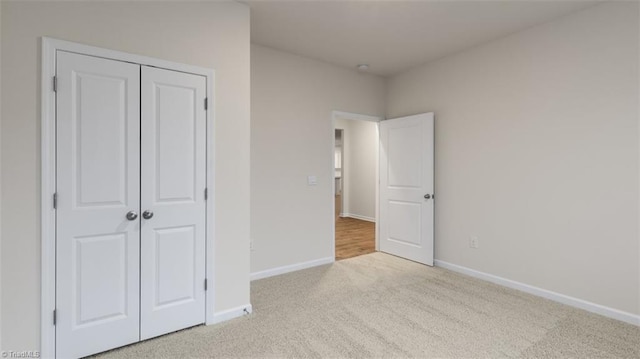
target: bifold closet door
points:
(173, 207)
(98, 197)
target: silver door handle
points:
(132, 215)
(147, 214)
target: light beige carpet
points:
(380, 306)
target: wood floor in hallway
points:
(354, 237)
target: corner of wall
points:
(638, 229)
(0, 177)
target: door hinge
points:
(206, 194)
(206, 103)
(205, 284)
(54, 317)
(55, 83)
(55, 200)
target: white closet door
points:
(97, 278)
(173, 184)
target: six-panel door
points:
(130, 261)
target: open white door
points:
(98, 191)
(172, 293)
(406, 187)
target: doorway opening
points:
(355, 167)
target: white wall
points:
(537, 154)
(209, 34)
(291, 137)
(360, 157)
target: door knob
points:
(132, 215)
(427, 196)
(147, 214)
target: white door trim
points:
(342, 115)
(337, 115)
(49, 47)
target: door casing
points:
(49, 47)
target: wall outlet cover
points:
(474, 242)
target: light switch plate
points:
(312, 180)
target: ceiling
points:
(393, 36)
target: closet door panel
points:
(173, 182)
(97, 247)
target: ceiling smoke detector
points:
(363, 67)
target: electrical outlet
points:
(474, 242)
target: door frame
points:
(49, 47)
(342, 132)
(343, 115)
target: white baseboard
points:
(357, 216)
(232, 313)
(291, 268)
(557, 297)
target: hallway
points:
(354, 237)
